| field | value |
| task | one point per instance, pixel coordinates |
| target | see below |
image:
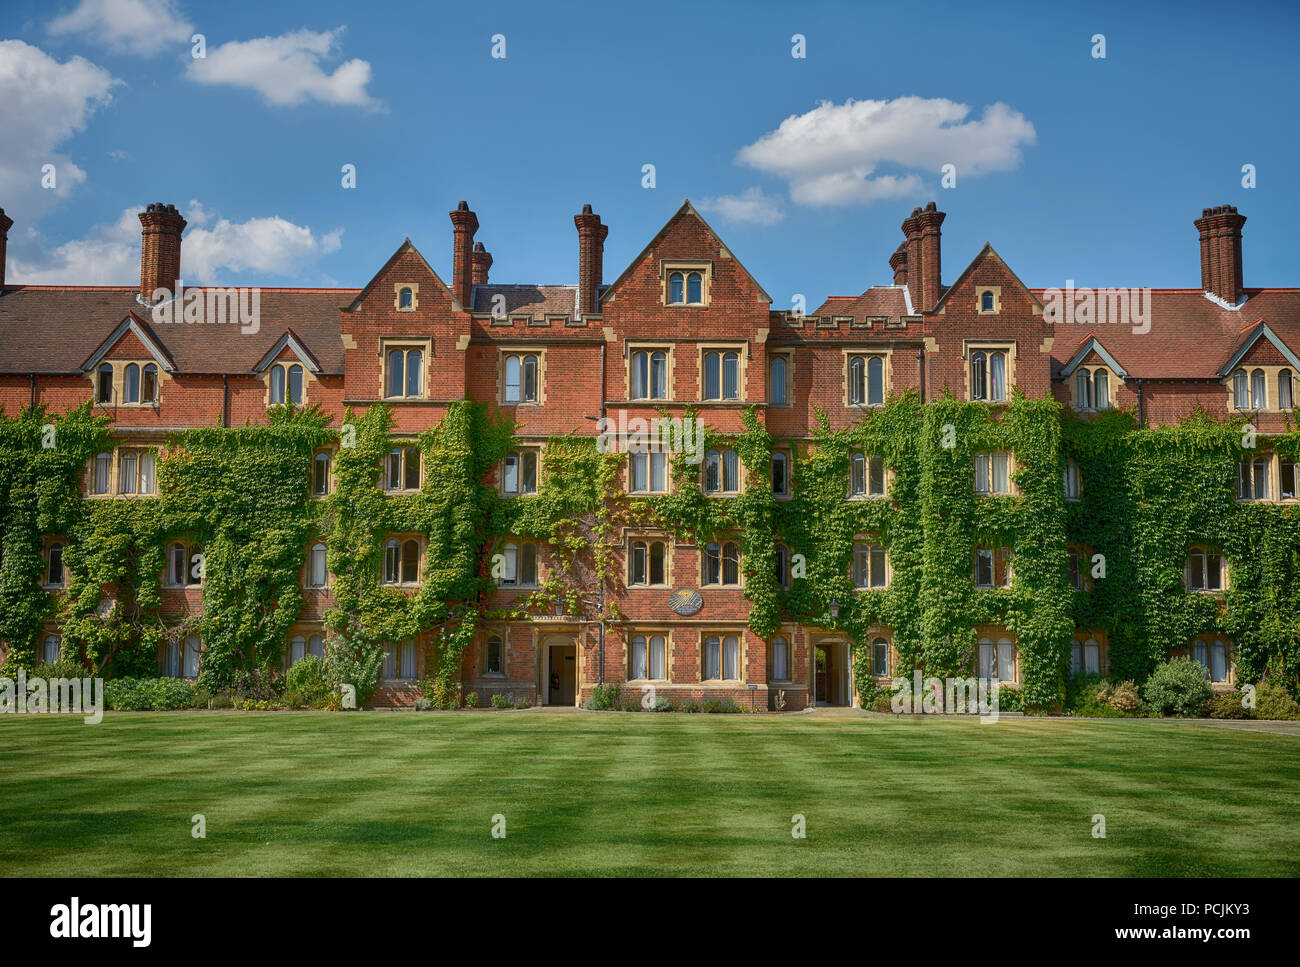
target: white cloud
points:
(286, 70)
(141, 27)
(751, 205)
(213, 250)
(42, 104)
(832, 154)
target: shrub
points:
(1125, 698)
(661, 704)
(603, 698)
(687, 706)
(139, 694)
(883, 702)
(423, 704)
(1275, 702)
(471, 700)
(1010, 700)
(1178, 687)
(310, 678)
(523, 704)
(500, 701)
(1227, 706)
(292, 698)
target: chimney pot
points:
(482, 262)
(1221, 265)
(6, 223)
(464, 224)
(591, 257)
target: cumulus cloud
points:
(751, 206)
(140, 27)
(42, 104)
(832, 155)
(287, 70)
(214, 250)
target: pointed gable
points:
(405, 266)
(1092, 352)
(288, 347)
(132, 338)
(989, 269)
(686, 237)
(1261, 346)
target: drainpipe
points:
(602, 582)
(1141, 421)
(31, 377)
(225, 393)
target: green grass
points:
(640, 794)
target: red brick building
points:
(683, 325)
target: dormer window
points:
(286, 384)
(104, 384)
(1285, 396)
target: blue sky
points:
(1093, 170)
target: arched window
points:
(297, 649)
(1071, 479)
(730, 563)
(730, 376)
(857, 381)
(316, 570)
(869, 566)
(721, 472)
(405, 299)
(528, 565)
(997, 377)
(780, 475)
(410, 562)
(658, 562)
(396, 372)
(1240, 390)
(997, 659)
(721, 658)
(876, 477)
(858, 475)
(880, 658)
(54, 571)
(712, 563)
(295, 384)
(978, 376)
(781, 559)
(875, 381)
(131, 384)
(521, 379)
(50, 649)
(1075, 568)
(403, 469)
(648, 658)
(1285, 397)
(414, 373)
(392, 563)
(676, 289)
(1258, 390)
(986, 301)
(101, 476)
(1212, 655)
(149, 384)
(104, 384)
(316, 646)
(777, 381)
(277, 385)
(780, 659)
(658, 376)
(695, 288)
(640, 376)
(492, 664)
(320, 474)
(1101, 391)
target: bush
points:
(603, 698)
(309, 681)
(883, 702)
(661, 704)
(1010, 700)
(140, 694)
(1227, 706)
(423, 704)
(1124, 697)
(1178, 687)
(471, 700)
(1275, 702)
(500, 701)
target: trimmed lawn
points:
(375, 794)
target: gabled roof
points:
(985, 251)
(402, 249)
(686, 209)
(1260, 331)
(296, 346)
(1093, 345)
(141, 330)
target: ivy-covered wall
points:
(242, 495)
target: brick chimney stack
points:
(929, 222)
(591, 256)
(482, 262)
(1221, 273)
(914, 258)
(160, 248)
(464, 224)
(898, 262)
(6, 223)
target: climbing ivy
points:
(243, 495)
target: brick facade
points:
(929, 336)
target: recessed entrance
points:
(831, 673)
(559, 670)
